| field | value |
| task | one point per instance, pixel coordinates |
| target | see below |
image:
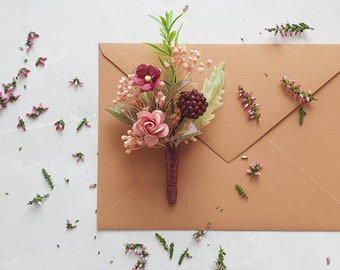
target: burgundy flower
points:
(147, 77)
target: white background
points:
(69, 35)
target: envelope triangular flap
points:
(258, 69)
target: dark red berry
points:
(192, 104)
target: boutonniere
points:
(164, 106)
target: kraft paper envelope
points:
(299, 188)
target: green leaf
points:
(116, 111)
(177, 34)
(212, 90)
(185, 130)
(174, 21)
(159, 49)
(164, 22)
(173, 89)
(172, 36)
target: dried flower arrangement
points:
(166, 106)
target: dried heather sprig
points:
(40, 61)
(22, 72)
(168, 248)
(76, 82)
(59, 125)
(3, 101)
(185, 254)
(295, 90)
(255, 168)
(11, 96)
(79, 156)
(198, 235)
(302, 96)
(38, 199)
(21, 124)
(241, 191)
(289, 29)
(220, 260)
(71, 226)
(30, 38)
(83, 122)
(248, 103)
(47, 178)
(94, 185)
(36, 111)
(9, 86)
(139, 250)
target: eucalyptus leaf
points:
(116, 111)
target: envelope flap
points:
(121, 54)
(259, 69)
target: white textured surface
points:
(69, 34)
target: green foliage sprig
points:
(38, 199)
(169, 36)
(185, 254)
(220, 260)
(168, 248)
(241, 191)
(83, 122)
(47, 178)
(289, 29)
(302, 114)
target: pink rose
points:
(147, 77)
(151, 126)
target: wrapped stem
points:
(172, 160)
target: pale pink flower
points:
(328, 260)
(148, 77)
(151, 126)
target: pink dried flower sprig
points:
(248, 103)
(139, 250)
(295, 90)
(59, 125)
(22, 72)
(36, 111)
(71, 226)
(255, 168)
(289, 29)
(92, 186)
(79, 156)
(40, 61)
(21, 124)
(200, 233)
(302, 96)
(328, 260)
(76, 82)
(30, 39)
(11, 96)
(3, 101)
(9, 86)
